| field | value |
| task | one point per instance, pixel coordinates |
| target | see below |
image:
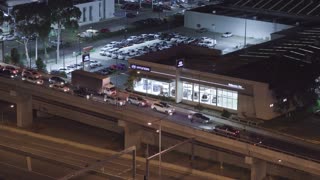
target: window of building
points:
(227, 99)
(84, 14)
(210, 95)
(155, 87)
(90, 13)
(187, 90)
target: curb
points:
(168, 166)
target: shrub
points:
(225, 114)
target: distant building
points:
(93, 11)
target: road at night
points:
(54, 160)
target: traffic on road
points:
(122, 99)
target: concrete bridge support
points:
(258, 168)
(24, 112)
(132, 134)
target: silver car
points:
(114, 100)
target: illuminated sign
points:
(235, 86)
(180, 63)
(85, 57)
(139, 67)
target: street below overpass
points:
(51, 160)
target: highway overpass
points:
(133, 121)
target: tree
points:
(15, 56)
(44, 28)
(29, 24)
(40, 65)
(7, 58)
(63, 15)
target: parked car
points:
(34, 80)
(57, 80)
(54, 43)
(202, 30)
(227, 34)
(136, 100)
(114, 100)
(9, 37)
(104, 30)
(60, 87)
(227, 130)
(198, 117)
(163, 107)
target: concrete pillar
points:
(179, 87)
(258, 168)
(24, 112)
(132, 134)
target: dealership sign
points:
(139, 67)
(85, 57)
(180, 63)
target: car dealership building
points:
(196, 75)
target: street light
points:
(160, 144)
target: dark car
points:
(130, 15)
(255, 139)
(81, 92)
(198, 117)
(7, 73)
(12, 69)
(57, 80)
(227, 130)
(104, 30)
(136, 100)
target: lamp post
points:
(245, 32)
(160, 139)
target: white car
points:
(227, 34)
(34, 80)
(114, 100)
(59, 87)
(163, 107)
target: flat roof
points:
(275, 62)
(262, 15)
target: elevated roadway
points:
(132, 120)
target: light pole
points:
(160, 139)
(245, 32)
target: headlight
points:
(38, 82)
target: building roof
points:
(250, 13)
(294, 57)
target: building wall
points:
(101, 9)
(254, 28)
(254, 98)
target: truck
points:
(92, 82)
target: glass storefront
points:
(210, 95)
(155, 87)
(191, 91)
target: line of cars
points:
(34, 77)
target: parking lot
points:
(118, 52)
